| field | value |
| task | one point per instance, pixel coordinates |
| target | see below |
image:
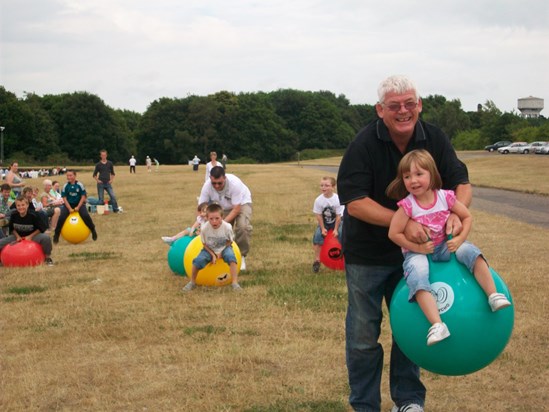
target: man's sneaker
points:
(498, 301)
(236, 287)
(188, 287)
(410, 407)
(437, 332)
(243, 264)
(56, 238)
(94, 235)
(49, 261)
(120, 210)
(167, 239)
(316, 266)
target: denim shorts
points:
(318, 239)
(204, 257)
(416, 265)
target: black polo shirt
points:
(368, 166)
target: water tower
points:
(530, 107)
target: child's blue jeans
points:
(204, 257)
(416, 265)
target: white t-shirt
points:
(209, 167)
(216, 239)
(133, 161)
(234, 193)
(329, 208)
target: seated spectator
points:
(5, 203)
(13, 178)
(54, 197)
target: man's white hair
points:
(398, 84)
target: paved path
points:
(528, 208)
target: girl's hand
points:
(427, 247)
(454, 244)
(324, 232)
(335, 233)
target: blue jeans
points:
(367, 286)
(101, 187)
(204, 257)
(416, 265)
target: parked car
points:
(497, 145)
(516, 147)
(531, 147)
(543, 149)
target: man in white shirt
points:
(236, 200)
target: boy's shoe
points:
(236, 287)
(188, 287)
(498, 301)
(167, 239)
(94, 235)
(316, 266)
(120, 210)
(49, 261)
(437, 332)
(56, 238)
(410, 407)
(243, 264)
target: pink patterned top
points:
(434, 216)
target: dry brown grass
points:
(107, 328)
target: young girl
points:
(426, 203)
(194, 230)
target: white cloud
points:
(130, 52)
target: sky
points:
(132, 52)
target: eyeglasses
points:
(395, 107)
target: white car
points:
(531, 147)
(516, 147)
(543, 149)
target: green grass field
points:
(107, 327)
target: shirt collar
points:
(383, 132)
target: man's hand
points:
(417, 233)
(453, 225)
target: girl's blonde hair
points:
(422, 158)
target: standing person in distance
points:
(104, 176)
(196, 163)
(132, 162)
(236, 200)
(373, 263)
(148, 162)
(211, 164)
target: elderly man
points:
(373, 264)
(236, 200)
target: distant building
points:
(530, 107)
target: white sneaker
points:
(188, 287)
(167, 239)
(243, 264)
(498, 301)
(410, 407)
(437, 332)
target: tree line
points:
(251, 127)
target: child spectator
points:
(217, 237)
(419, 182)
(194, 229)
(25, 224)
(328, 212)
(74, 195)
